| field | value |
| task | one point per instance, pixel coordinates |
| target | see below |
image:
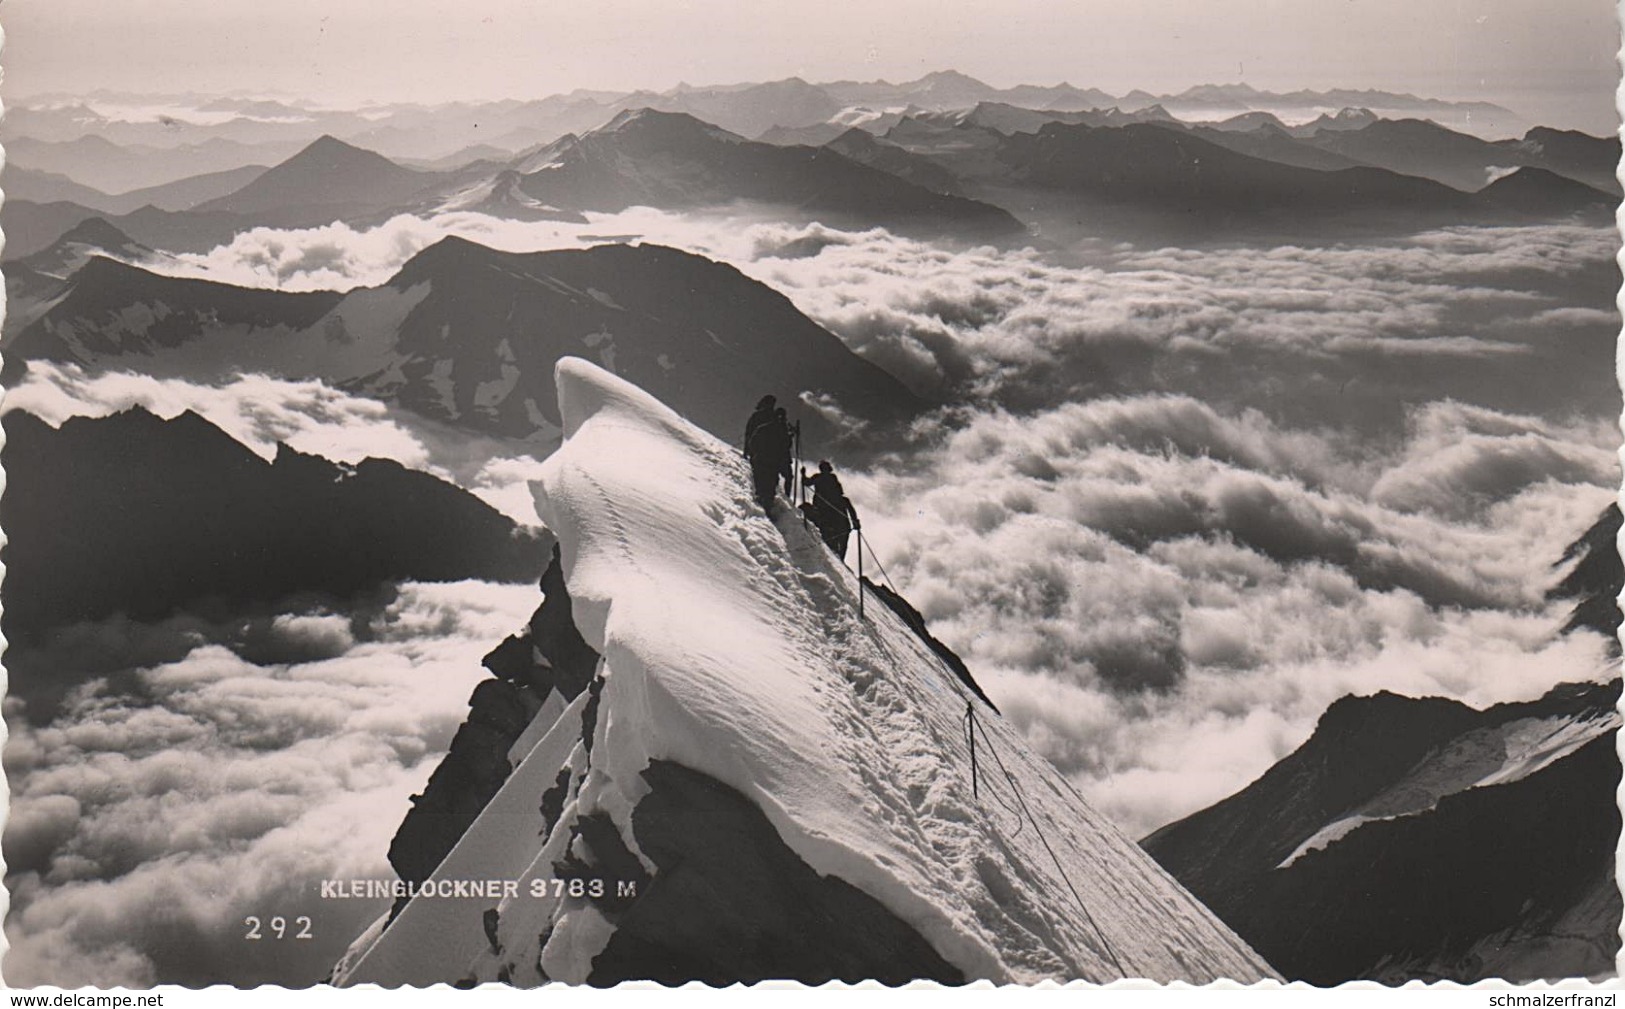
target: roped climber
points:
(831, 511)
(767, 446)
(761, 415)
(783, 448)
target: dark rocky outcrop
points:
(131, 514)
(731, 902)
(549, 655)
(1595, 580)
(1537, 194)
(468, 776)
(1361, 746)
(1511, 880)
(570, 661)
(916, 623)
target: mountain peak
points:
(329, 143)
(1547, 134)
(94, 238)
(1410, 127)
(328, 151)
(106, 273)
(98, 232)
(1220, 91)
(644, 121)
(1357, 712)
(1391, 799)
(1542, 189)
(644, 116)
(441, 260)
(749, 735)
(949, 76)
(325, 171)
(950, 87)
(856, 138)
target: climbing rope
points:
(878, 566)
(1022, 798)
(970, 737)
(972, 727)
(970, 740)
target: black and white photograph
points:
(516, 493)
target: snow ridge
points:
(731, 645)
(1482, 758)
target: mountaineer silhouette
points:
(830, 510)
(761, 415)
(764, 432)
(781, 447)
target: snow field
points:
(731, 644)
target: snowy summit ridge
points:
(785, 786)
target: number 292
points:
(278, 925)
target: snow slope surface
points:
(732, 645)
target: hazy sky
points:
(1552, 61)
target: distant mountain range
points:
(1419, 147)
(115, 153)
(1205, 101)
(469, 335)
(34, 282)
(1419, 838)
(182, 194)
(675, 161)
(973, 173)
(1168, 175)
(94, 161)
(667, 160)
(32, 227)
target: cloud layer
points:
(1322, 335)
(1166, 598)
(159, 810)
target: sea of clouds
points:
(1318, 334)
(153, 814)
(1174, 502)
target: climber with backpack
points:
(830, 510)
(761, 415)
(767, 446)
